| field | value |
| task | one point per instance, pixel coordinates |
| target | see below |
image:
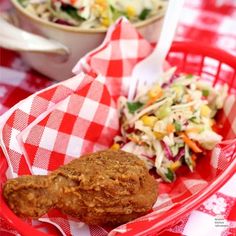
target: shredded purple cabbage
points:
(148, 157)
(179, 154)
(167, 151)
(172, 79)
(63, 22)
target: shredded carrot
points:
(192, 108)
(135, 140)
(152, 100)
(72, 2)
(217, 127)
(170, 128)
(212, 122)
(190, 143)
(189, 99)
(194, 157)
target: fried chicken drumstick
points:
(106, 187)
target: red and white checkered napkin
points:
(85, 121)
(55, 125)
(77, 116)
(23, 114)
(115, 58)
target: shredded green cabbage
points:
(167, 126)
(93, 13)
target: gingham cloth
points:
(51, 104)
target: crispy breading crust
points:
(106, 187)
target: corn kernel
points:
(159, 135)
(101, 7)
(196, 129)
(101, 2)
(205, 111)
(174, 166)
(105, 21)
(149, 120)
(115, 146)
(154, 91)
(130, 11)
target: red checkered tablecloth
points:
(201, 21)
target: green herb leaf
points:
(177, 126)
(144, 14)
(193, 119)
(205, 92)
(73, 12)
(115, 13)
(112, 8)
(23, 2)
(187, 158)
(170, 175)
(134, 106)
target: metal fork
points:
(150, 69)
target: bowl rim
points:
(74, 29)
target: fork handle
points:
(168, 29)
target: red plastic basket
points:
(212, 64)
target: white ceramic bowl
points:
(57, 48)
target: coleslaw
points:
(170, 125)
(92, 13)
